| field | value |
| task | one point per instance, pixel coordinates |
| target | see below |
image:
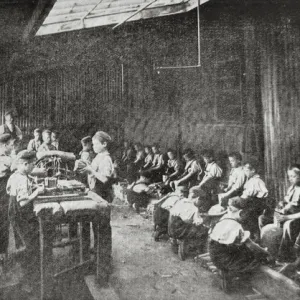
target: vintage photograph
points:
(149, 150)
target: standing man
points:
(10, 127)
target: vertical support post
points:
(199, 36)
(41, 257)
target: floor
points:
(143, 269)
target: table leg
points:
(98, 253)
(41, 256)
(80, 243)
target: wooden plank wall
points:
(279, 44)
(76, 101)
(200, 108)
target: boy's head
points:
(294, 174)
(235, 207)
(235, 159)
(86, 143)
(155, 148)
(138, 147)
(188, 155)
(148, 149)
(100, 141)
(25, 161)
(37, 133)
(208, 156)
(171, 154)
(251, 168)
(54, 135)
(9, 116)
(7, 143)
(47, 136)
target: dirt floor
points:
(142, 268)
(145, 269)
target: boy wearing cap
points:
(10, 127)
(101, 169)
(46, 146)
(230, 246)
(22, 218)
(36, 142)
(6, 147)
(100, 176)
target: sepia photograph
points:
(149, 150)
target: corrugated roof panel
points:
(68, 15)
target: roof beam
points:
(135, 13)
(34, 18)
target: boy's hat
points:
(26, 155)
(102, 135)
(217, 210)
(39, 130)
(9, 111)
(86, 139)
(4, 138)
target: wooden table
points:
(87, 208)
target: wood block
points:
(100, 293)
(274, 285)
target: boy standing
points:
(35, 143)
(22, 218)
(100, 176)
(46, 146)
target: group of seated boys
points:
(242, 204)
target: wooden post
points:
(41, 257)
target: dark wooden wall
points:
(214, 106)
(279, 45)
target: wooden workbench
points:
(87, 208)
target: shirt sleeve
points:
(105, 168)
(242, 237)
(1, 129)
(214, 171)
(240, 180)
(22, 191)
(195, 168)
(256, 189)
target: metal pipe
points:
(135, 13)
(199, 36)
(177, 67)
